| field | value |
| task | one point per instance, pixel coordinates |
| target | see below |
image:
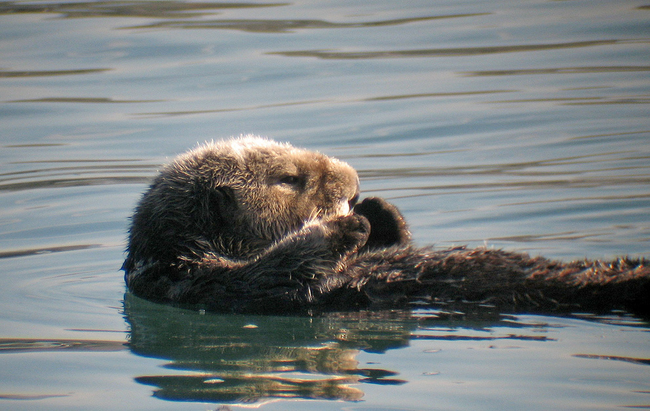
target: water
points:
(518, 124)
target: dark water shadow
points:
(248, 359)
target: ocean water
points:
(521, 125)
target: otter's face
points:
(237, 197)
(288, 187)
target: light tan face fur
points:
(277, 187)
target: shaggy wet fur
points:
(250, 225)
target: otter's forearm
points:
(291, 274)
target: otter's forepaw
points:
(387, 225)
(348, 233)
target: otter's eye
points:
(291, 180)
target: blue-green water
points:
(521, 125)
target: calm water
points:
(517, 124)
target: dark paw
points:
(348, 233)
(387, 226)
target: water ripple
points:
(50, 73)
(528, 168)
(83, 100)
(448, 52)
(323, 101)
(559, 70)
(37, 251)
(165, 9)
(638, 361)
(108, 172)
(287, 26)
(581, 101)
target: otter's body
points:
(250, 225)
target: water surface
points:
(512, 124)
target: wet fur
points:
(250, 225)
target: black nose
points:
(353, 201)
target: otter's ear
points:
(222, 204)
(217, 205)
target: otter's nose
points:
(345, 205)
(353, 201)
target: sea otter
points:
(252, 225)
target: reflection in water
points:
(18, 345)
(251, 358)
(239, 358)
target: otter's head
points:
(235, 198)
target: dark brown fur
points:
(250, 225)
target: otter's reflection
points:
(244, 358)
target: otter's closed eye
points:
(291, 180)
